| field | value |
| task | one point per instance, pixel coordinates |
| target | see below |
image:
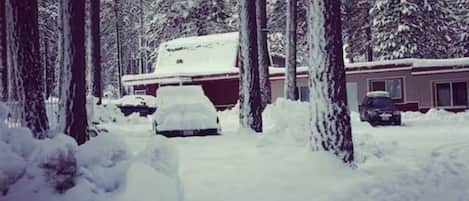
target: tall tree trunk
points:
(330, 121)
(264, 61)
(141, 41)
(119, 48)
(96, 90)
(28, 60)
(74, 86)
(59, 62)
(252, 106)
(46, 66)
(290, 78)
(12, 69)
(3, 54)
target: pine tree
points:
(460, 44)
(290, 65)
(3, 54)
(277, 26)
(74, 84)
(95, 49)
(25, 43)
(356, 28)
(264, 61)
(330, 121)
(437, 27)
(48, 42)
(251, 108)
(398, 29)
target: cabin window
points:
(451, 94)
(303, 93)
(140, 92)
(392, 86)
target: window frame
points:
(401, 97)
(299, 94)
(450, 82)
(138, 92)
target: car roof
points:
(375, 94)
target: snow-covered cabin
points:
(414, 84)
(211, 61)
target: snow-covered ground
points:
(424, 160)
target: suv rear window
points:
(380, 102)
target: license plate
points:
(186, 133)
(385, 117)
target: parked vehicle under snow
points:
(142, 104)
(184, 111)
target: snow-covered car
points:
(184, 111)
(378, 108)
(142, 104)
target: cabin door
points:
(352, 96)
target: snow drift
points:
(57, 169)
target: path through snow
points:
(423, 160)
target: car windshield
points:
(380, 102)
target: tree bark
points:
(96, 90)
(141, 41)
(330, 121)
(74, 86)
(3, 54)
(264, 61)
(28, 61)
(290, 65)
(119, 48)
(252, 107)
(46, 67)
(59, 62)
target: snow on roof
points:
(216, 52)
(377, 94)
(414, 63)
(182, 59)
(192, 56)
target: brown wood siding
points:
(222, 93)
(150, 89)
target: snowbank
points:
(436, 115)
(154, 175)
(110, 113)
(423, 160)
(289, 121)
(57, 169)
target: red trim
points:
(406, 107)
(368, 69)
(437, 68)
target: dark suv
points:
(378, 108)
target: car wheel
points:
(398, 122)
(373, 123)
(361, 118)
